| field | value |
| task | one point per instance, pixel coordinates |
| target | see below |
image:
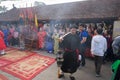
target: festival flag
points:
(21, 16)
(26, 15)
(30, 13)
(36, 21)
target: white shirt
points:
(98, 45)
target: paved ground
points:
(84, 73)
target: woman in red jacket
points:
(2, 43)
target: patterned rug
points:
(4, 63)
(14, 55)
(9, 48)
(28, 68)
(2, 77)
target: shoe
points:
(61, 76)
(98, 75)
(72, 78)
(83, 65)
(3, 53)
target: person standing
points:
(5, 31)
(116, 48)
(88, 43)
(16, 38)
(83, 37)
(41, 38)
(56, 42)
(116, 65)
(98, 48)
(2, 43)
(71, 52)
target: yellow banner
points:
(36, 21)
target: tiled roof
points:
(75, 10)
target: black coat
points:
(71, 43)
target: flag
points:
(21, 17)
(36, 21)
(30, 14)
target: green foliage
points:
(3, 9)
(36, 3)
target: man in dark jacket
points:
(71, 47)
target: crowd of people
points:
(87, 40)
(47, 36)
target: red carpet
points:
(3, 77)
(9, 48)
(14, 55)
(28, 68)
(4, 63)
